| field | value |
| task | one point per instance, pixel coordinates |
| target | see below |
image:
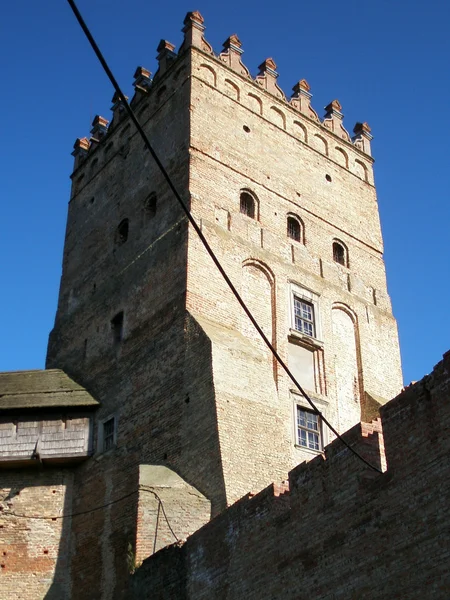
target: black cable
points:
(161, 505)
(200, 233)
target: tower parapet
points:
(266, 79)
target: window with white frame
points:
(308, 429)
(304, 320)
(304, 311)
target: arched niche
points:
(278, 117)
(361, 170)
(347, 366)
(258, 293)
(255, 103)
(341, 157)
(300, 131)
(320, 144)
(232, 90)
(208, 74)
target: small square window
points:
(304, 319)
(109, 434)
(309, 434)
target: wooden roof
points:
(50, 388)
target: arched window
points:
(247, 205)
(294, 229)
(122, 232)
(340, 254)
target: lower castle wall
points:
(338, 530)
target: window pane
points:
(302, 438)
(308, 430)
(303, 316)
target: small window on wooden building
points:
(340, 254)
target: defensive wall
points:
(336, 529)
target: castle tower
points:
(147, 325)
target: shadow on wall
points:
(200, 461)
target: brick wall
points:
(338, 529)
(35, 552)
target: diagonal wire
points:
(200, 233)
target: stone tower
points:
(147, 325)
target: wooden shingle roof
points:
(50, 388)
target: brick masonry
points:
(35, 552)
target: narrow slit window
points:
(247, 205)
(117, 327)
(122, 232)
(150, 205)
(294, 231)
(108, 434)
(340, 254)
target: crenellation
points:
(142, 80)
(231, 55)
(362, 137)
(165, 58)
(333, 120)
(118, 110)
(193, 33)
(80, 151)
(267, 78)
(98, 131)
(301, 100)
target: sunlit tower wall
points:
(147, 325)
(289, 204)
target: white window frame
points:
(101, 434)
(310, 297)
(298, 401)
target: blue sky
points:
(386, 62)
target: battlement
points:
(336, 524)
(294, 114)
